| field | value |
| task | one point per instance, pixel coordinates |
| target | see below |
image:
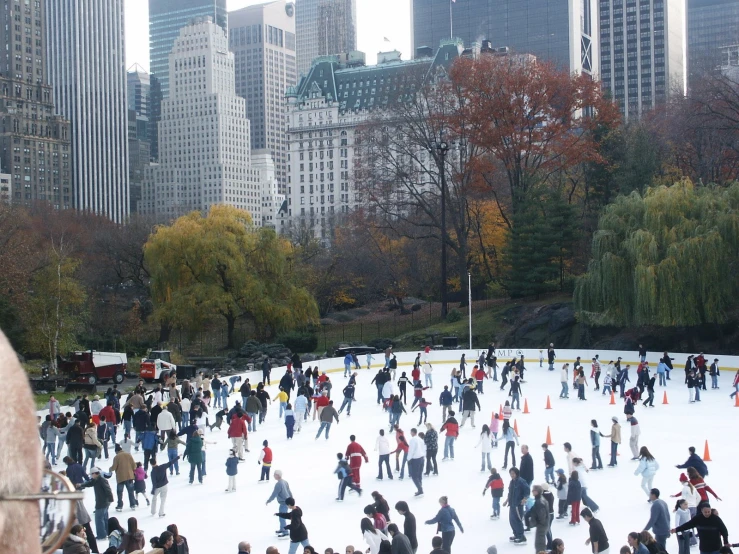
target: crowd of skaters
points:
(155, 420)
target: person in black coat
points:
(298, 531)
(75, 441)
(141, 422)
(409, 524)
(527, 465)
(287, 384)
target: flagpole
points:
(451, 21)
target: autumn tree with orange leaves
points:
(534, 122)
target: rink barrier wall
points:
(531, 359)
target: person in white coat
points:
(165, 422)
(388, 389)
(382, 447)
(427, 371)
(648, 467)
(372, 536)
(486, 444)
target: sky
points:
(377, 20)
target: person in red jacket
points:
(237, 434)
(265, 458)
(479, 376)
(451, 428)
(321, 402)
(355, 453)
(416, 375)
(111, 419)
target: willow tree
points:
(219, 265)
(668, 258)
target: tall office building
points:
(642, 44)
(262, 38)
(166, 18)
(712, 25)
(85, 65)
(324, 27)
(34, 142)
(139, 130)
(565, 32)
(204, 154)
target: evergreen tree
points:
(539, 246)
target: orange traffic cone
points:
(525, 406)
(500, 411)
(515, 428)
(736, 401)
(549, 437)
(664, 399)
(613, 398)
(706, 454)
(549, 404)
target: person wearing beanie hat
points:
(615, 436)
(492, 550)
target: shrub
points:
(453, 316)
(299, 341)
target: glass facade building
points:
(166, 18)
(642, 52)
(324, 27)
(563, 32)
(712, 25)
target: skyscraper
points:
(562, 32)
(324, 27)
(85, 66)
(139, 129)
(262, 38)
(34, 142)
(642, 44)
(712, 25)
(204, 151)
(166, 18)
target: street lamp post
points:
(442, 147)
(469, 303)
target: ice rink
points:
(214, 522)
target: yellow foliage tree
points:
(219, 265)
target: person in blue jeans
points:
(518, 491)
(445, 519)
(103, 500)
(659, 518)
(328, 414)
(281, 493)
(296, 527)
(515, 392)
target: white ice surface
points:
(214, 522)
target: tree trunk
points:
(165, 330)
(231, 321)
